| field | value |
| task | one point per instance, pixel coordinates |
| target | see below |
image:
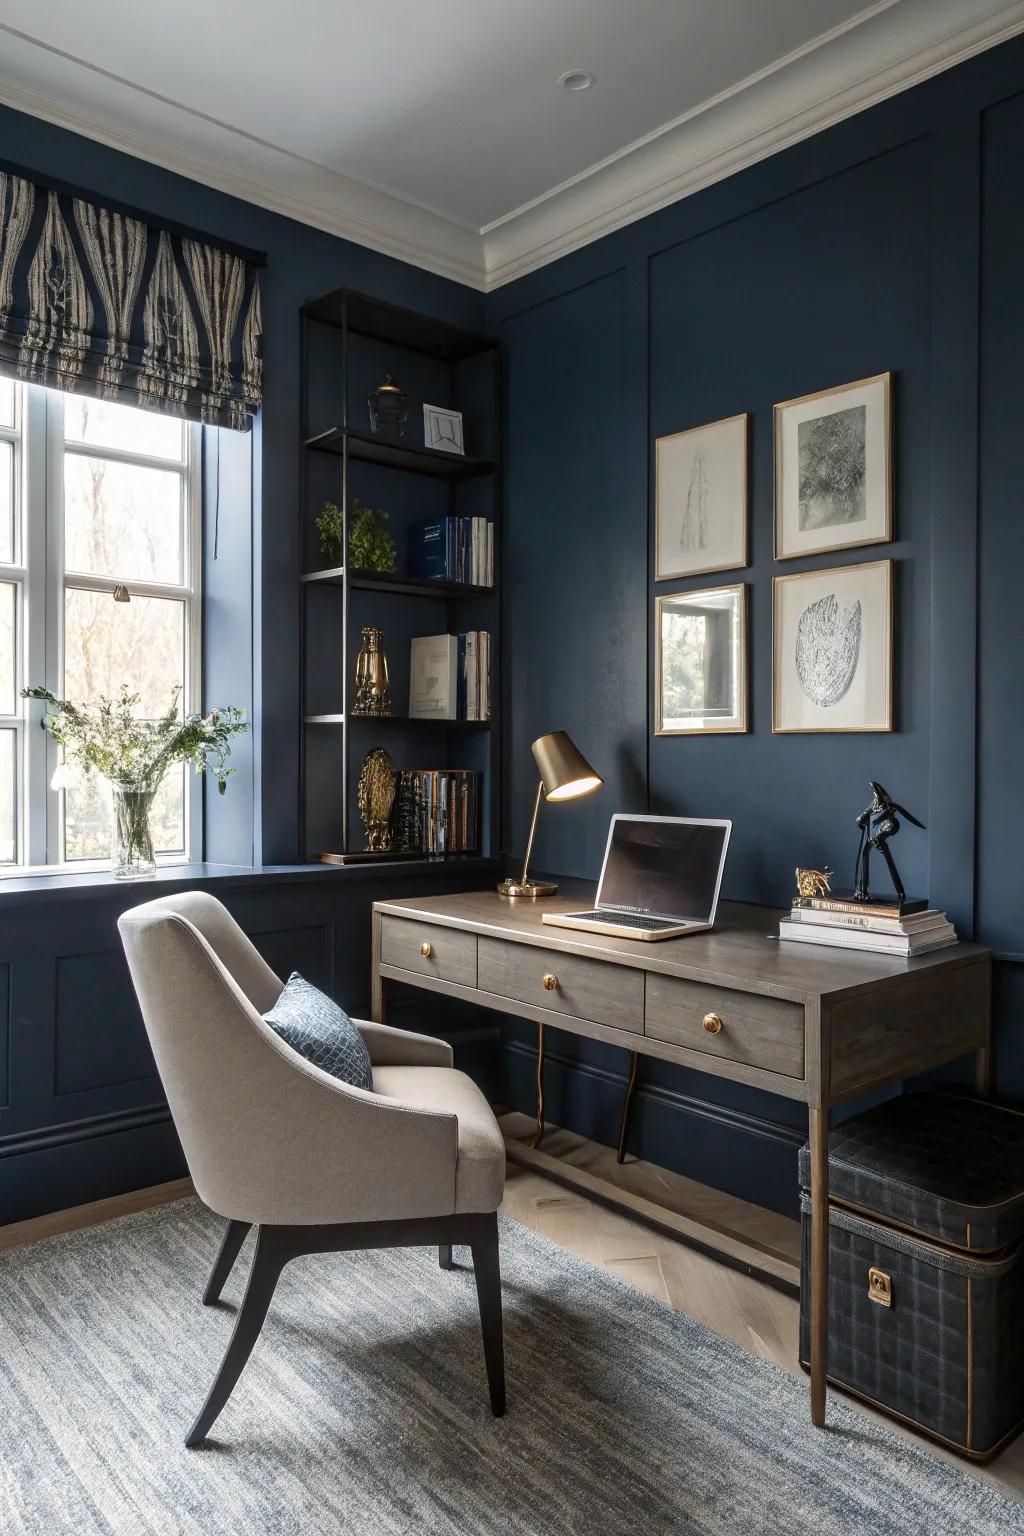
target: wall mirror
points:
(701, 671)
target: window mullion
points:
(36, 752)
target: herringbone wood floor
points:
(753, 1315)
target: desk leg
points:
(539, 1132)
(983, 1074)
(376, 979)
(819, 1262)
(627, 1106)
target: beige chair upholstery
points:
(270, 1138)
(315, 1165)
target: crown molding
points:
(885, 49)
(276, 180)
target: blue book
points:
(431, 550)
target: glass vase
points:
(131, 850)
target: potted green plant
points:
(108, 738)
(370, 546)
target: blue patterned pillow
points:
(318, 1029)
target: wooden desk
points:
(813, 1024)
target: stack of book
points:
(437, 810)
(881, 927)
(450, 677)
(456, 549)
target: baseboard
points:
(750, 1156)
(80, 1162)
(91, 1214)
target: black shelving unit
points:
(348, 340)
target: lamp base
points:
(528, 889)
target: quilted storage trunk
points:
(926, 1274)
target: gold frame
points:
(743, 690)
(731, 565)
(889, 567)
(823, 394)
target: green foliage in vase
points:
(109, 738)
(370, 546)
(331, 527)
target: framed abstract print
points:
(701, 662)
(833, 649)
(701, 500)
(833, 469)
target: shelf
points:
(404, 586)
(449, 725)
(381, 321)
(415, 586)
(395, 453)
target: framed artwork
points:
(442, 429)
(700, 499)
(701, 662)
(833, 649)
(833, 469)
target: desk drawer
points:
(758, 1031)
(585, 989)
(450, 955)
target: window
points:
(93, 496)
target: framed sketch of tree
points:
(833, 469)
(701, 662)
(700, 499)
(833, 649)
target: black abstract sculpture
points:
(878, 822)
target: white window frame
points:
(42, 582)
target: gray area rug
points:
(364, 1406)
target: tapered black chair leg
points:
(268, 1262)
(488, 1291)
(444, 1256)
(234, 1236)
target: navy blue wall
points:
(894, 241)
(302, 264)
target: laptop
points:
(660, 879)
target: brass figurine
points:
(813, 882)
(371, 677)
(878, 822)
(375, 797)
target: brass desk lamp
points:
(565, 774)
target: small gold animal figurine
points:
(813, 882)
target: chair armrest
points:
(401, 1047)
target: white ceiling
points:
(437, 129)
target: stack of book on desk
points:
(881, 927)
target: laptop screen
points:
(667, 867)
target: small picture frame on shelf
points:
(442, 429)
(701, 499)
(701, 662)
(833, 649)
(833, 469)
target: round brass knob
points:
(426, 950)
(550, 983)
(712, 1023)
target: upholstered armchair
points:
(274, 1142)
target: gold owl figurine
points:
(813, 882)
(375, 797)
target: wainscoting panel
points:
(5, 1035)
(99, 1037)
(306, 950)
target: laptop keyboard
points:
(626, 920)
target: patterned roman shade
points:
(98, 302)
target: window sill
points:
(70, 883)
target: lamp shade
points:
(564, 771)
